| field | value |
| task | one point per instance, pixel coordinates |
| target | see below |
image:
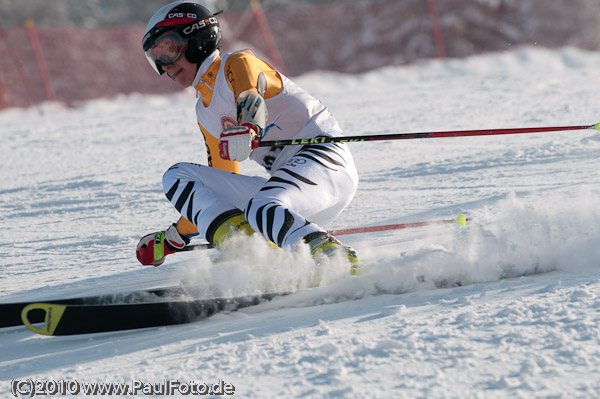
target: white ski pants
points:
(309, 190)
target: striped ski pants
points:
(308, 191)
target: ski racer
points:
(242, 100)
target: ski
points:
(11, 312)
(73, 319)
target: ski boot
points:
(229, 225)
(326, 244)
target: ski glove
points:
(236, 142)
(153, 248)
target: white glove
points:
(236, 142)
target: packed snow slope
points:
(506, 307)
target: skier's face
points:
(182, 71)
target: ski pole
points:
(422, 135)
(461, 220)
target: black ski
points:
(11, 312)
(70, 319)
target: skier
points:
(242, 100)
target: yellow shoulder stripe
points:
(206, 85)
(242, 70)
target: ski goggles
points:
(166, 49)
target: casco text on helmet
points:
(193, 21)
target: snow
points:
(507, 306)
